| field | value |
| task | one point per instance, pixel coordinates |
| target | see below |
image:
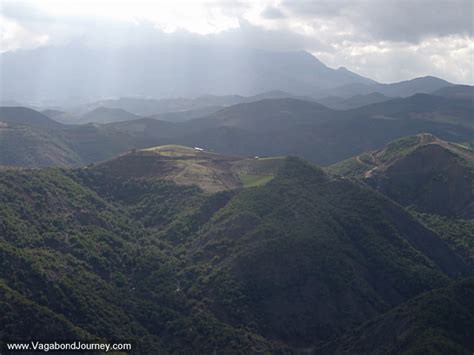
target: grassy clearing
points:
(258, 171)
(272, 158)
(173, 150)
(254, 180)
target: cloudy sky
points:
(387, 40)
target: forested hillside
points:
(293, 264)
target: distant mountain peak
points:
(107, 115)
(246, 72)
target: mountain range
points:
(73, 73)
(287, 258)
(233, 201)
(165, 70)
(182, 109)
(422, 85)
(280, 126)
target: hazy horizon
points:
(372, 39)
(237, 177)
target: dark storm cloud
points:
(394, 20)
(323, 8)
(253, 36)
(387, 40)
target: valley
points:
(284, 177)
(193, 243)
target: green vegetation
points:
(188, 166)
(437, 322)
(398, 148)
(432, 178)
(257, 171)
(358, 166)
(254, 180)
(424, 172)
(291, 264)
(281, 254)
(458, 233)
(81, 250)
(352, 167)
(32, 147)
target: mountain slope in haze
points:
(22, 116)
(60, 115)
(34, 147)
(151, 107)
(53, 113)
(181, 116)
(107, 115)
(31, 139)
(147, 130)
(421, 85)
(267, 115)
(162, 71)
(426, 84)
(191, 107)
(423, 107)
(96, 142)
(270, 127)
(458, 91)
(264, 116)
(340, 103)
(100, 115)
(287, 265)
(306, 129)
